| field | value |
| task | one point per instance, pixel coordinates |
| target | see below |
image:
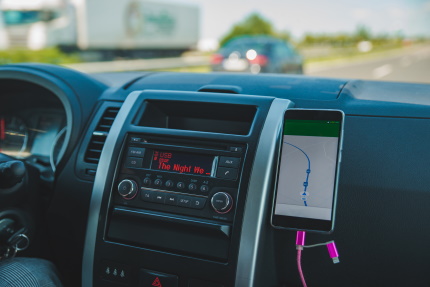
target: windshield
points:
(14, 17)
(384, 40)
(243, 46)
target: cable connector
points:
(332, 251)
(300, 240)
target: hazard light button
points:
(149, 278)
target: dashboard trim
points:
(256, 207)
(106, 162)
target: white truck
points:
(108, 27)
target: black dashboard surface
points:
(383, 195)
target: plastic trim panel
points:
(256, 207)
(104, 165)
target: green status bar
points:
(318, 128)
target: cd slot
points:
(178, 234)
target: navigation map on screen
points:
(307, 169)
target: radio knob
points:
(222, 202)
(127, 188)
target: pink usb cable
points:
(332, 251)
(300, 244)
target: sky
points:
(411, 17)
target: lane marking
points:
(382, 71)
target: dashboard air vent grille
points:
(98, 138)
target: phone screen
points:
(308, 168)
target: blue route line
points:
(308, 171)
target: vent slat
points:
(105, 126)
(92, 160)
(98, 142)
(98, 138)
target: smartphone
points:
(308, 170)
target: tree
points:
(363, 33)
(254, 24)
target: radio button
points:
(184, 201)
(229, 161)
(235, 149)
(170, 183)
(180, 185)
(171, 199)
(147, 181)
(133, 162)
(147, 195)
(158, 182)
(198, 202)
(192, 186)
(159, 197)
(135, 139)
(136, 151)
(204, 188)
(227, 173)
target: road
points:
(409, 65)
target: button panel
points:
(176, 192)
(196, 187)
(173, 199)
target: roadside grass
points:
(352, 54)
(49, 56)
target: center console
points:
(171, 199)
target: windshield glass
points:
(14, 17)
(244, 45)
(386, 40)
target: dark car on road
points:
(258, 54)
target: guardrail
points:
(141, 64)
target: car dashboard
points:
(170, 176)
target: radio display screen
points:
(182, 162)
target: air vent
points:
(94, 149)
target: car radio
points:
(182, 178)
